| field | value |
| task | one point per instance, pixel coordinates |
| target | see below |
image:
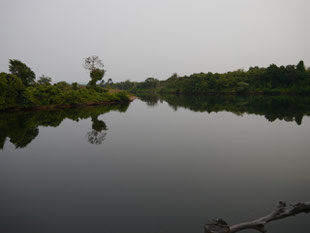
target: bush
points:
(122, 96)
(11, 88)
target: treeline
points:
(273, 79)
(20, 128)
(19, 88)
(280, 107)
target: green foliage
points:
(43, 80)
(11, 89)
(15, 94)
(301, 66)
(242, 87)
(107, 84)
(121, 96)
(149, 83)
(22, 71)
(127, 85)
(95, 75)
(63, 95)
(95, 67)
(273, 79)
(75, 86)
(63, 85)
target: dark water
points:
(165, 164)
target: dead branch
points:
(281, 211)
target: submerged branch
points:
(282, 210)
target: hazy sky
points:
(137, 39)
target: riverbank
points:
(290, 79)
(125, 100)
(15, 96)
(50, 107)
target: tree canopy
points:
(22, 71)
(19, 89)
(95, 67)
(43, 80)
(273, 79)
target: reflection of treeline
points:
(273, 79)
(288, 108)
(22, 127)
(150, 99)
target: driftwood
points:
(281, 211)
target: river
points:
(163, 164)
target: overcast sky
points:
(137, 39)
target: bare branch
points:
(281, 211)
(93, 62)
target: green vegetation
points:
(96, 71)
(43, 80)
(280, 107)
(19, 90)
(22, 71)
(21, 127)
(270, 80)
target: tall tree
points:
(95, 67)
(22, 71)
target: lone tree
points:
(95, 67)
(22, 71)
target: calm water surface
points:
(160, 165)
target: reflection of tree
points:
(18, 128)
(98, 125)
(21, 128)
(96, 137)
(98, 133)
(288, 108)
(150, 99)
(22, 140)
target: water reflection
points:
(20, 128)
(288, 108)
(98, 133)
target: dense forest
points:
(20, 128)
(278, 107)
(20, 89)
(273, 79)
